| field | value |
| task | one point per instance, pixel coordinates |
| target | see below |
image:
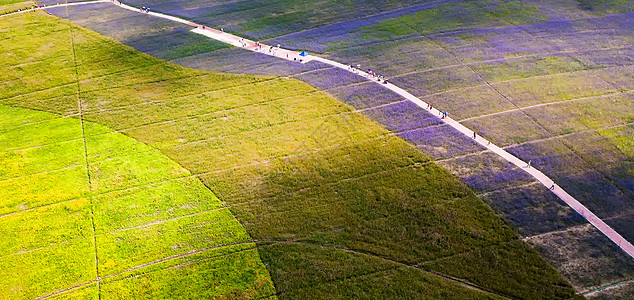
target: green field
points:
(118, 201)
(333, 205)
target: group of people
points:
(371, 74)
(145, 9)
(374, 75)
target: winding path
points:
(295, 56)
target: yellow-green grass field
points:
(334, 206)
(9, 6)
(111, 213)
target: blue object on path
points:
(304, 53)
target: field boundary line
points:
(577, 226)
(512, 58)
(555, 137)
(495, 83)
(190, 253)
(2, 180)
(606, 95)
(613, 285)
(86, 160)
(420, 266)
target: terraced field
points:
(549, 81)
(113, 147)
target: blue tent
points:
(304, 53)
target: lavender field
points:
(550, 81)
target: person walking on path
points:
(552, 187)
(474, 135)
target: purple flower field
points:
(281, 68)
(365, 95)
(440, 141)
(486, 172)
(575, 176)
(624, 224)
(257, 19)
(396, 58)
(421, 84)
(402, 116)
(533, 209)
(321, 39)
(608, 58)
(329, 78)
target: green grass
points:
(42, 271)
(211, 275)
(451, 16)
(528, 67)
(144, 206)
(90, 292)
(622, 138)
(606, 6)
(555, 87)
(513, 256)
(295, 166)
(577, 116)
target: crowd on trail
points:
(371, 74)
(145, 9)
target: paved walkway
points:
(41, 7)
(295, 56)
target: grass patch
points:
(527, 67)
(451, 16)
(9, 6)
(51, 208)
(211, 274)
(622, 137)
(606, 6)
(498, 257)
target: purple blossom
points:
(574, 175)
(487, 172)
(365, 95)
(401, 116)
(440, 141)
(533, 209)
(425, 83)
(329, 78)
